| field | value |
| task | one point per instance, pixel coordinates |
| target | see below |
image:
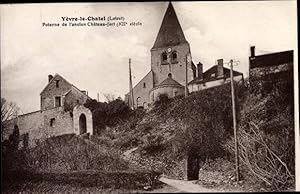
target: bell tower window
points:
(164, 58)
(174, 57)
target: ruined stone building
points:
(172, 67)
(271, 67)
(61, 112)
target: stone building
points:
(61, 112)
(270, 67)
(172, 67)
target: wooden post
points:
(131, 98)
(186, 76)
(234, 122)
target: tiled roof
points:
(271, 59)
(170, 82)
(208, 75)
(170, 32)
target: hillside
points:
(134, 147)
(201, 126)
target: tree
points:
(9, 110)
(109, 97)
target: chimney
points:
(83, 91)
(200, 70)
(252, 51)
(50, 77)
(220, 71)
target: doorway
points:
(82, 124)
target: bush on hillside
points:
(13, 158)
(207, 118)
(107, 114)
(266, 134)
(69, 152)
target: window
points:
(144, 85)
(57, 83)
(170, 75)
(57, 101)
(52, 122)
(164, 58)
(213, 75)
(174, 57)
(138, 101)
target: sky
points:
(96, 58)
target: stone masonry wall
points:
(169, 90)
(201, 86)
(142, 93)
(176, 69)
(74, 98)
(49, 93)
(79, 110)
(37, 124)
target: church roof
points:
(170, 32)
(170, 82)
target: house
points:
(61, 112)
(270, 67)
(214, 76)
(172, 67)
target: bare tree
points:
(9, 110)
(109, 96)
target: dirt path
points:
(187, 186)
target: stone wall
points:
(202, 86)
(73, 98)
(171, 91)
(260, 72)
(177, 69)
(38, 125)
(77, 112)
(141, 91)
(49, 93)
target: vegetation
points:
(107, 114)
(199, 125)
(71, 161)
(266, 133)
(9, 110)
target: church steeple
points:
(170, 32)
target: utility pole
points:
(98, 97)
(186, 75)
(131, 99)
(234, 123)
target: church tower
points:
(171, 52)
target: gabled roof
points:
(170, 82)
(271, 59)
(170, 32)
(57, 75)
(207, 75)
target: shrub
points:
(69, 152)
(107, 114)
(207, 121)
(266, 133)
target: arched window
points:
(164, 58)
(139, 102)
(174, 57)
(170, 75)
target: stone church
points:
(172, 67)
(61, 112)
